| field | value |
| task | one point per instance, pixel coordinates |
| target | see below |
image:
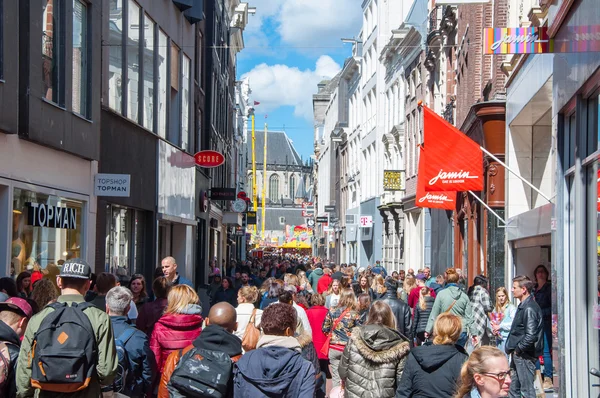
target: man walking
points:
(14, 315)
(400, 309)
(169, 267)
(74, 282)
(134, 342)
(525, 342)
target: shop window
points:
(175, 105)
(185, 103)
(53, 45)
(115, 56)
(80, 58)
(133, 60)
(124, 239)
(148, 60)
(162, 83)
(46, 231)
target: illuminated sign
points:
(393, 180)
(517, 41)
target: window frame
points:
(58, 53)
(85, 107)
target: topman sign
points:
(48, 216)
(112, 185)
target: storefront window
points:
(46, 230)
(124, 239)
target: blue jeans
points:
(462, 340)
(548, 370)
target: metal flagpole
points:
(487, 207)
(515, 173)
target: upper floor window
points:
(1, 39)
(274, 188)
(292, 187)
(53, 53)
(80, 58)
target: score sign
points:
(366, 221)
(209, 159)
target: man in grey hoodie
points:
(314, 276)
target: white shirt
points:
(244, 312)
(303, 318)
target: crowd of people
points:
(276, 327)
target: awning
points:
(232, 218)
(535, 222)
(298, 244)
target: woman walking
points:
(246, 298)
(137, 285)
(421, 315)
(332, 296)
(374, 349)
(502, 317)
(543, 296)
(226, 292)
(485, 375)
(482, 306)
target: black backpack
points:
(201, 373)
(123, 382)
(63, 351)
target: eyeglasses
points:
(500, 376)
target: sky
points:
(290, 46)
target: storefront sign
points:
(365, 221)
(112, 185)
(251, 218)
(222, 194)
(393, 180)
(330, 209)
(48, 216)
(322, 219)
(209, 159)
(517, 41)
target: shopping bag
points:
(538, 384)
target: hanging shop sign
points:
(330, 209)
(112, 185)
(365, 221)
(308, 209)
(239, 206)
(432, 200)
(322, 219)
(251, 218)
(222, 194)
(209, 159)
(48, 216)
(517, 41)
(393, 180)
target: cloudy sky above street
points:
(291, 45)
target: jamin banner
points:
(454, 161)
(432, 200)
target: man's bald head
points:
(224, 315)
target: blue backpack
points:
(123, 381)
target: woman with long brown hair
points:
(376, 348)
(179, 326)
(378, 287)
(137, 285)
(338, 323)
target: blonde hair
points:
(290, 280)
(498, 308)
(424, 292)
(302, 279)
(347, 299)
(447, 329)
(249, 294)
(474, 365)
(379, 284)
(179, 297)
(330, 288)
(409, 282)
(452, 275)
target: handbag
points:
(251, 334)
(327, 343)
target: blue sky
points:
(291, 45)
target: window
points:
(148, 54)
(124, 239)
(80, 64)
(292, 187)
(53, 44)
(115, 56)
(274, 187)
(133, 61)
(185, 103)
(162, 83)
(175, 112)
(1, 39)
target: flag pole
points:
(515, 173)
(487, 207)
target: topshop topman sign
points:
(112, 185)
(44, 215)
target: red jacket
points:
(323, 283)
(316, 315)
(173, 332)
(413, 297)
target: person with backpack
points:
(215, 350)
(14, 315)
(137, 366)
(61, 335)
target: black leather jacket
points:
(543, 297)
(526, 334)
(401, 311)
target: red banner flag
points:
(432, 200)
(454, 161)
(256, 103)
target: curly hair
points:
(277, 318)
(44, 293)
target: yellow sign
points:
(393, 180)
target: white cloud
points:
(281, 85)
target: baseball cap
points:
(76, 268)
(421, 277)
(19, 304)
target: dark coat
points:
(432, 371)
(273, 371)
(526, 337)
(543, 297)
(373, 350)
(149, 314)
(181, 280)
(227, 295)
(141, 358)
(13, 343)
(401, 311)
(422, 316)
